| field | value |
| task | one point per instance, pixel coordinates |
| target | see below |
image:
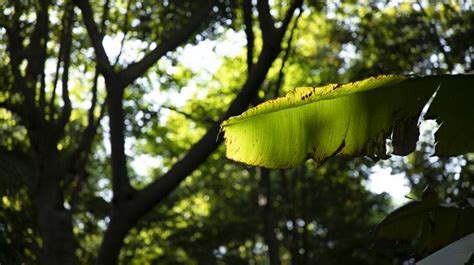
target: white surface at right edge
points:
(457, 253)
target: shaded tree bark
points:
(53, 219)
(266, 203)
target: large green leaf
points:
(428, 224)
(354, 119)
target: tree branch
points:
(77, 159)
(124, 31)
(295, 4)
(122, 190)
(189, 116)
(247, 4)
(66, 57)
(90, 113)
(169, 43)
(16, 53)
(36, 58)
(62, 45)
(52, 108)
(42, 53)
(95, 36)
(105, 15)
(286, 55)
(269, 32)
(11, 107)
(42, 89)
(89, 132)
(265, 18)
(36, 51)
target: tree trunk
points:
(113, 239)
(304, 215)
(265, 201)
(54, 220)
(295, 236)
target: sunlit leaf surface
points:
(353, 119)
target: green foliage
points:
(428, 224)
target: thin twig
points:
(286, 54)
(169, 43)
(124, 32)
(95, 36)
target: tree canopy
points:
(110, 115)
